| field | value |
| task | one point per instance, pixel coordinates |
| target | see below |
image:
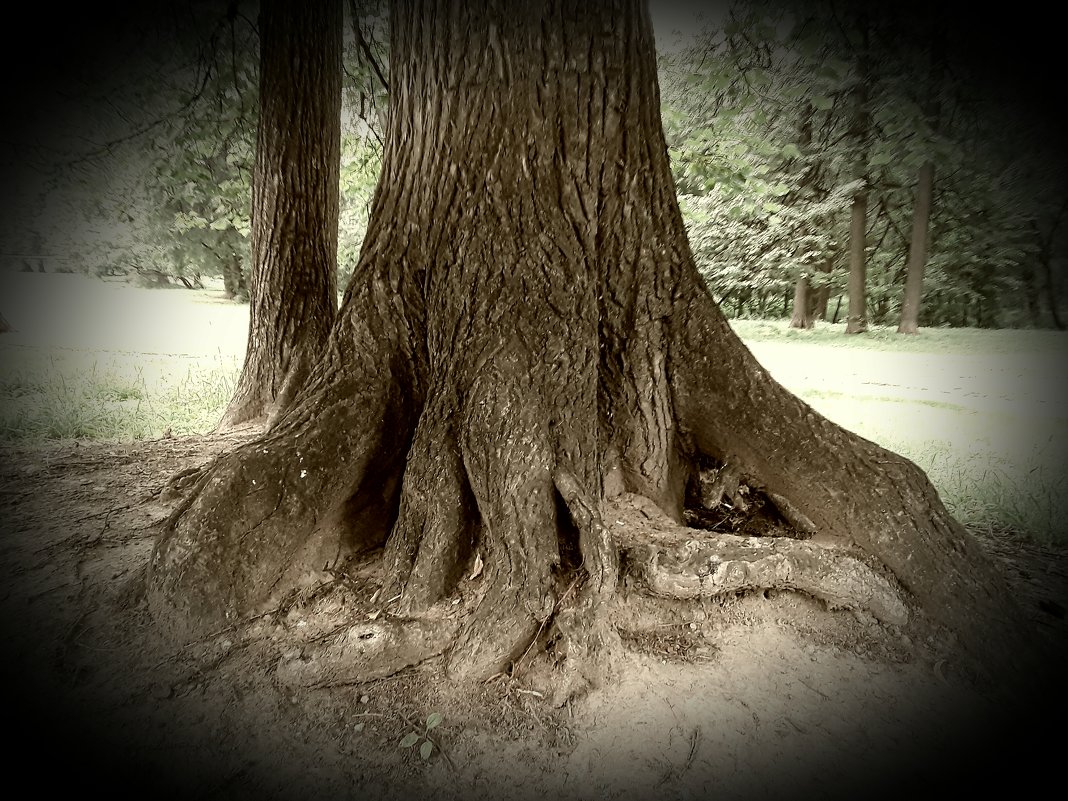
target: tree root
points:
(181, 483)
(675, 562)
(368, 651)
(575, 648)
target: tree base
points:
(352, 638)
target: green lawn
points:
(979, 411)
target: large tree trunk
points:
(910, 308)
(525, 356)
(294, 203)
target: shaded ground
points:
(750, 697)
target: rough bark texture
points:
(294, 202)
(910, 308)
(526, 343)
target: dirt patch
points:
(754, 696)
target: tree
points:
(294, 203)
(528, 378)
(921, 215)
(1046, 250)
(857, 320)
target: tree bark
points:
(802, 300)
(234, 279)
(802, 303)
(527, 343)
(1052, 296)
(857, 316)
(294, 204)
(823, 292)
(910, 308)
(1046, 247)
(921, 215)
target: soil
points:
(768, 696)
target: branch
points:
(354, 20)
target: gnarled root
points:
(368, 651)
(668, 560)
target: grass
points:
(886, 338)
(984, 490)
(992, 469)
(993, 465)
(70, 394)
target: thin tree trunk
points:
(822, 293)
(294, 204)
(802, 300)
(910, 308)
(1051, 293)
(921, 215)
(1045, 260)
(857, 317)
(801, 318)
(234, 278)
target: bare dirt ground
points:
(762, 697)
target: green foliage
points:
(177, 199)
(412, 738)
(760, 119)
(360, 165)
(83, 395)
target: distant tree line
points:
(832, 163)
(827, 156)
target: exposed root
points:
(368, 651)
(179, 485)
(671, 561)
(582, 654)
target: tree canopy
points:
(756, 106)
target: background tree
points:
(732, 115)
(921, 215)
(527, 358)
(294, 202)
